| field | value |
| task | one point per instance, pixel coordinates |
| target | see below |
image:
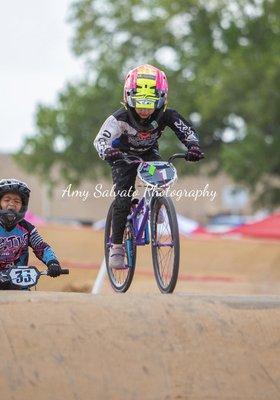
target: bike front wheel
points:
(165, 244)
(120, 279)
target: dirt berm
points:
(78, 346)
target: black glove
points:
(54, 268)
(194, 153)
(112, 154)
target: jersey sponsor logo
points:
(144, 135)
(12, 246)
(13, 241)
(183, 127)
(107, 134)
(142, 140)
(101, 146)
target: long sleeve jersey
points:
(119, 132)
(14, 245)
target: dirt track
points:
(199, 343)
(79, 346)
(208, 265)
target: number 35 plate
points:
(23, 276)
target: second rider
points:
(135, 129)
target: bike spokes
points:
(165, 244)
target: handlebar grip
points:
(177, 155)
(129, 159)
(119, 160)
(64, 271)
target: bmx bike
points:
(24, 277)
(152, 219)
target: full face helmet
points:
(145, 87)
(9, 218)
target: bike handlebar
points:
(134, 159)
(177, 155)
(63, 271)
(129, 159)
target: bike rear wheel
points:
(120, 279)
(165, 244)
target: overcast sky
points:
(35, 63)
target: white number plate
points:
(23, 276)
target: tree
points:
(253, 159)
(222, 63)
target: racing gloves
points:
(54, 268)
(112, 154)
(194, 153)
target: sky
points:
(35, 63)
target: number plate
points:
(157, 173)
(25, 277)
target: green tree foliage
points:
(253, 78)
(222, 62)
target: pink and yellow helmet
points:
(145, 87)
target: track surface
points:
(79, 346)
(217, 337)
(208, 265)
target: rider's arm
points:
(182, 128)
(109, 132)
(41, 249)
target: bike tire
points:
(168, 283)
(120, 280)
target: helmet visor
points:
(146, 94)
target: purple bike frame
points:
(139, 228)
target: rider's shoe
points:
(116, 257)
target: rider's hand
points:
(54, 268)
(112, 154)
(194, 153)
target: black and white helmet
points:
(9, 218)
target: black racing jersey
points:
(118, 131)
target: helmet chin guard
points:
(148, 124)
(9, 218)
